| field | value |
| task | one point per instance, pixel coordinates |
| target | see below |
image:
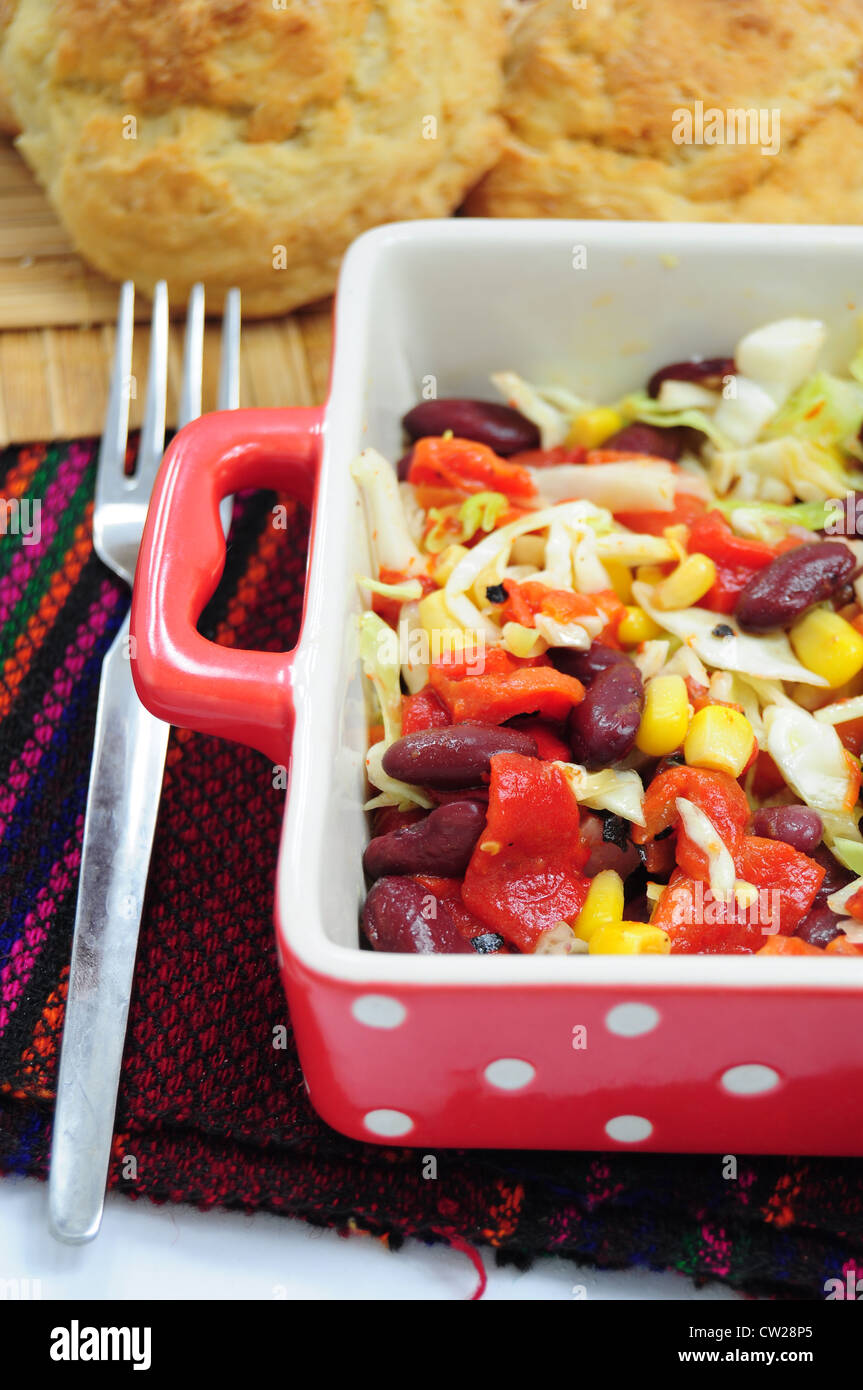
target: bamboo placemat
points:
(57, 336)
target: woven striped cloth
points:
(209, 1111)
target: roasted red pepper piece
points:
(528, 877)
(495, 661)
(469, 467)
(524, 601)
(699, 924)
(549, 458)
(687, 508)
(736, 558)
(423, 711)
(549, 740)
(793, 946)
(448, 890)
(721, 799)
(787, 882)
(775, 866)
(494, 698)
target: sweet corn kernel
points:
(442, 565)
(621, 579)
(445, 634)
(827, 645)
(650, 574)
(523, 641)
(665, 718)
(637, 627)
(687, 584)
(603, 904)
(629, 939)
(591, 427)
(721, 739)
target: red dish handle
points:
(180, 675)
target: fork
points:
(126, 772)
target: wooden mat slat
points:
(57, 336)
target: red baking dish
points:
(677, 1053)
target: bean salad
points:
(613, 655)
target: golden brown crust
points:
(237, 142)
(8, 121)
(591, 98)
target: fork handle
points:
(122, 806)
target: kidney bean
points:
(441, 844)
(658, 858)
(602, 728)
(819, 926)
(836, 876)
(586, 666)
(659, 441)
(443, 797)
(403, 466)
(638, 909)
(503, 429)
(458, 756)
(606, 854)
(778, 594)
(796, 825)
(401, 915)
(709, 373)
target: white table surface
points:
(176, 1252)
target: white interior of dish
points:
(456, 300)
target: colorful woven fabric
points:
(210, 1111)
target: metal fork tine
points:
(152, 443)
(229, 378)
(229, 362)
(112, 449)
(193, 358)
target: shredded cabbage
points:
(701, 830)
(686, 395)
(391, 539)
(479, 513)
(380, 657)
(391, 791)
(794, 468)
(781, 354)
(631, 548)
(849, 853)
(762, 520)
(552, 423)
(640, 406)
(636, 485)
(406, 592)
(564, 634)
(768, 657)
(841, 711)
(742, 416)
(621, 793)
(494, 549)
(824, 409)
(838, 901)
(810, 757)
(415, 673)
